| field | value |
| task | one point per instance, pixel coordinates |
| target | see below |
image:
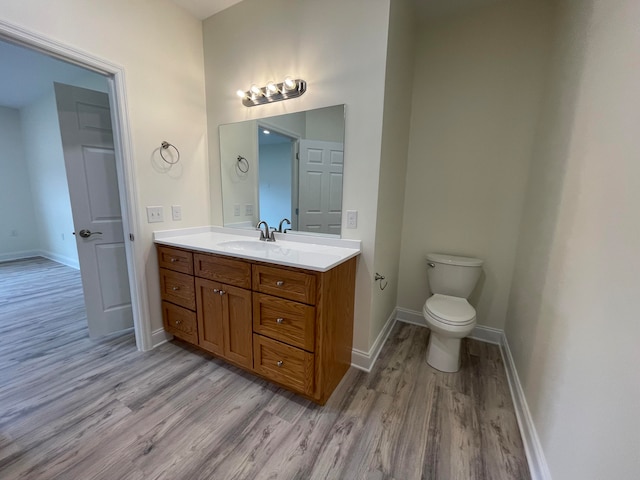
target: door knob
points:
(87, 233)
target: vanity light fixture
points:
(273, 92)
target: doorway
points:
(18, 49)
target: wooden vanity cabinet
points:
(289, 325)
(224, 321)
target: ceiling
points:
(204, 8)
(425, 9)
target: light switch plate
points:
(236, 210)
(176, 212)
(352, 219)
(248, 209)
(155, 215)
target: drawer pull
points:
(280, 363)
(175, 289)
(222, 292)
(280, 283)
(173, 260)
(216, 290)
(178, 322)
(279, 321)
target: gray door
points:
(87, 141)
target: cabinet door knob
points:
(280, 363)
(280, 283)
(222, 292)
(178, 322)
(173, 260)
(175, 289)
(279, 321)
(216, 290)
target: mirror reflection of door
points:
(320, 199)
(276, 154)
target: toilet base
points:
(443, 353)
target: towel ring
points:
(165, 146)
(243, 164)
(383, 283)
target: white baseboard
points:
(68, 261)
(533, 449)
(158, 337)
(7, 257)
(365, 360)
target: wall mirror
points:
(289, 166)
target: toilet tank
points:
(453, 275)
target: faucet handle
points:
(280, 229)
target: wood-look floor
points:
(72, 408)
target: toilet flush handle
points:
(432, 265)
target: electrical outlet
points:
(248, 209)
(236, 210)
(176, 212)
(155, 215)
(352, 219)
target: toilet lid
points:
(451, 310)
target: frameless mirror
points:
(289, 166)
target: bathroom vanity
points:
(282, 310)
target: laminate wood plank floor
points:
(73, 408)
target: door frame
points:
(123, 153)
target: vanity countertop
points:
(309, 252)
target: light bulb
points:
(271, 88)
(255, 90)
(289, 83)
(241, 93)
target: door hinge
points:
(131, 237)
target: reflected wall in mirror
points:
(289, 166)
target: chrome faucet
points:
(266, 235)
(280, 230)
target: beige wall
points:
(346, 66)
(477, 88)
(393, 163)
(160, 47)
(573, 323)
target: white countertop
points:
(302, 251)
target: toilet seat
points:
(454, 311)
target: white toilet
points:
(447, 312)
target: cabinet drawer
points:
(177, 288)
(180, 322)
(176, 260)
(289, 322)
(284, 364)
(224, 270)
(294, 285)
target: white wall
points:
(17, 218)
(346, 66)
(160, 47)
(572, 323)
(400, 59)
(43, 150)
(275, 182)
(241, 188)
(476, 93)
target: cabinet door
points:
(238, 345)
(210, 316)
